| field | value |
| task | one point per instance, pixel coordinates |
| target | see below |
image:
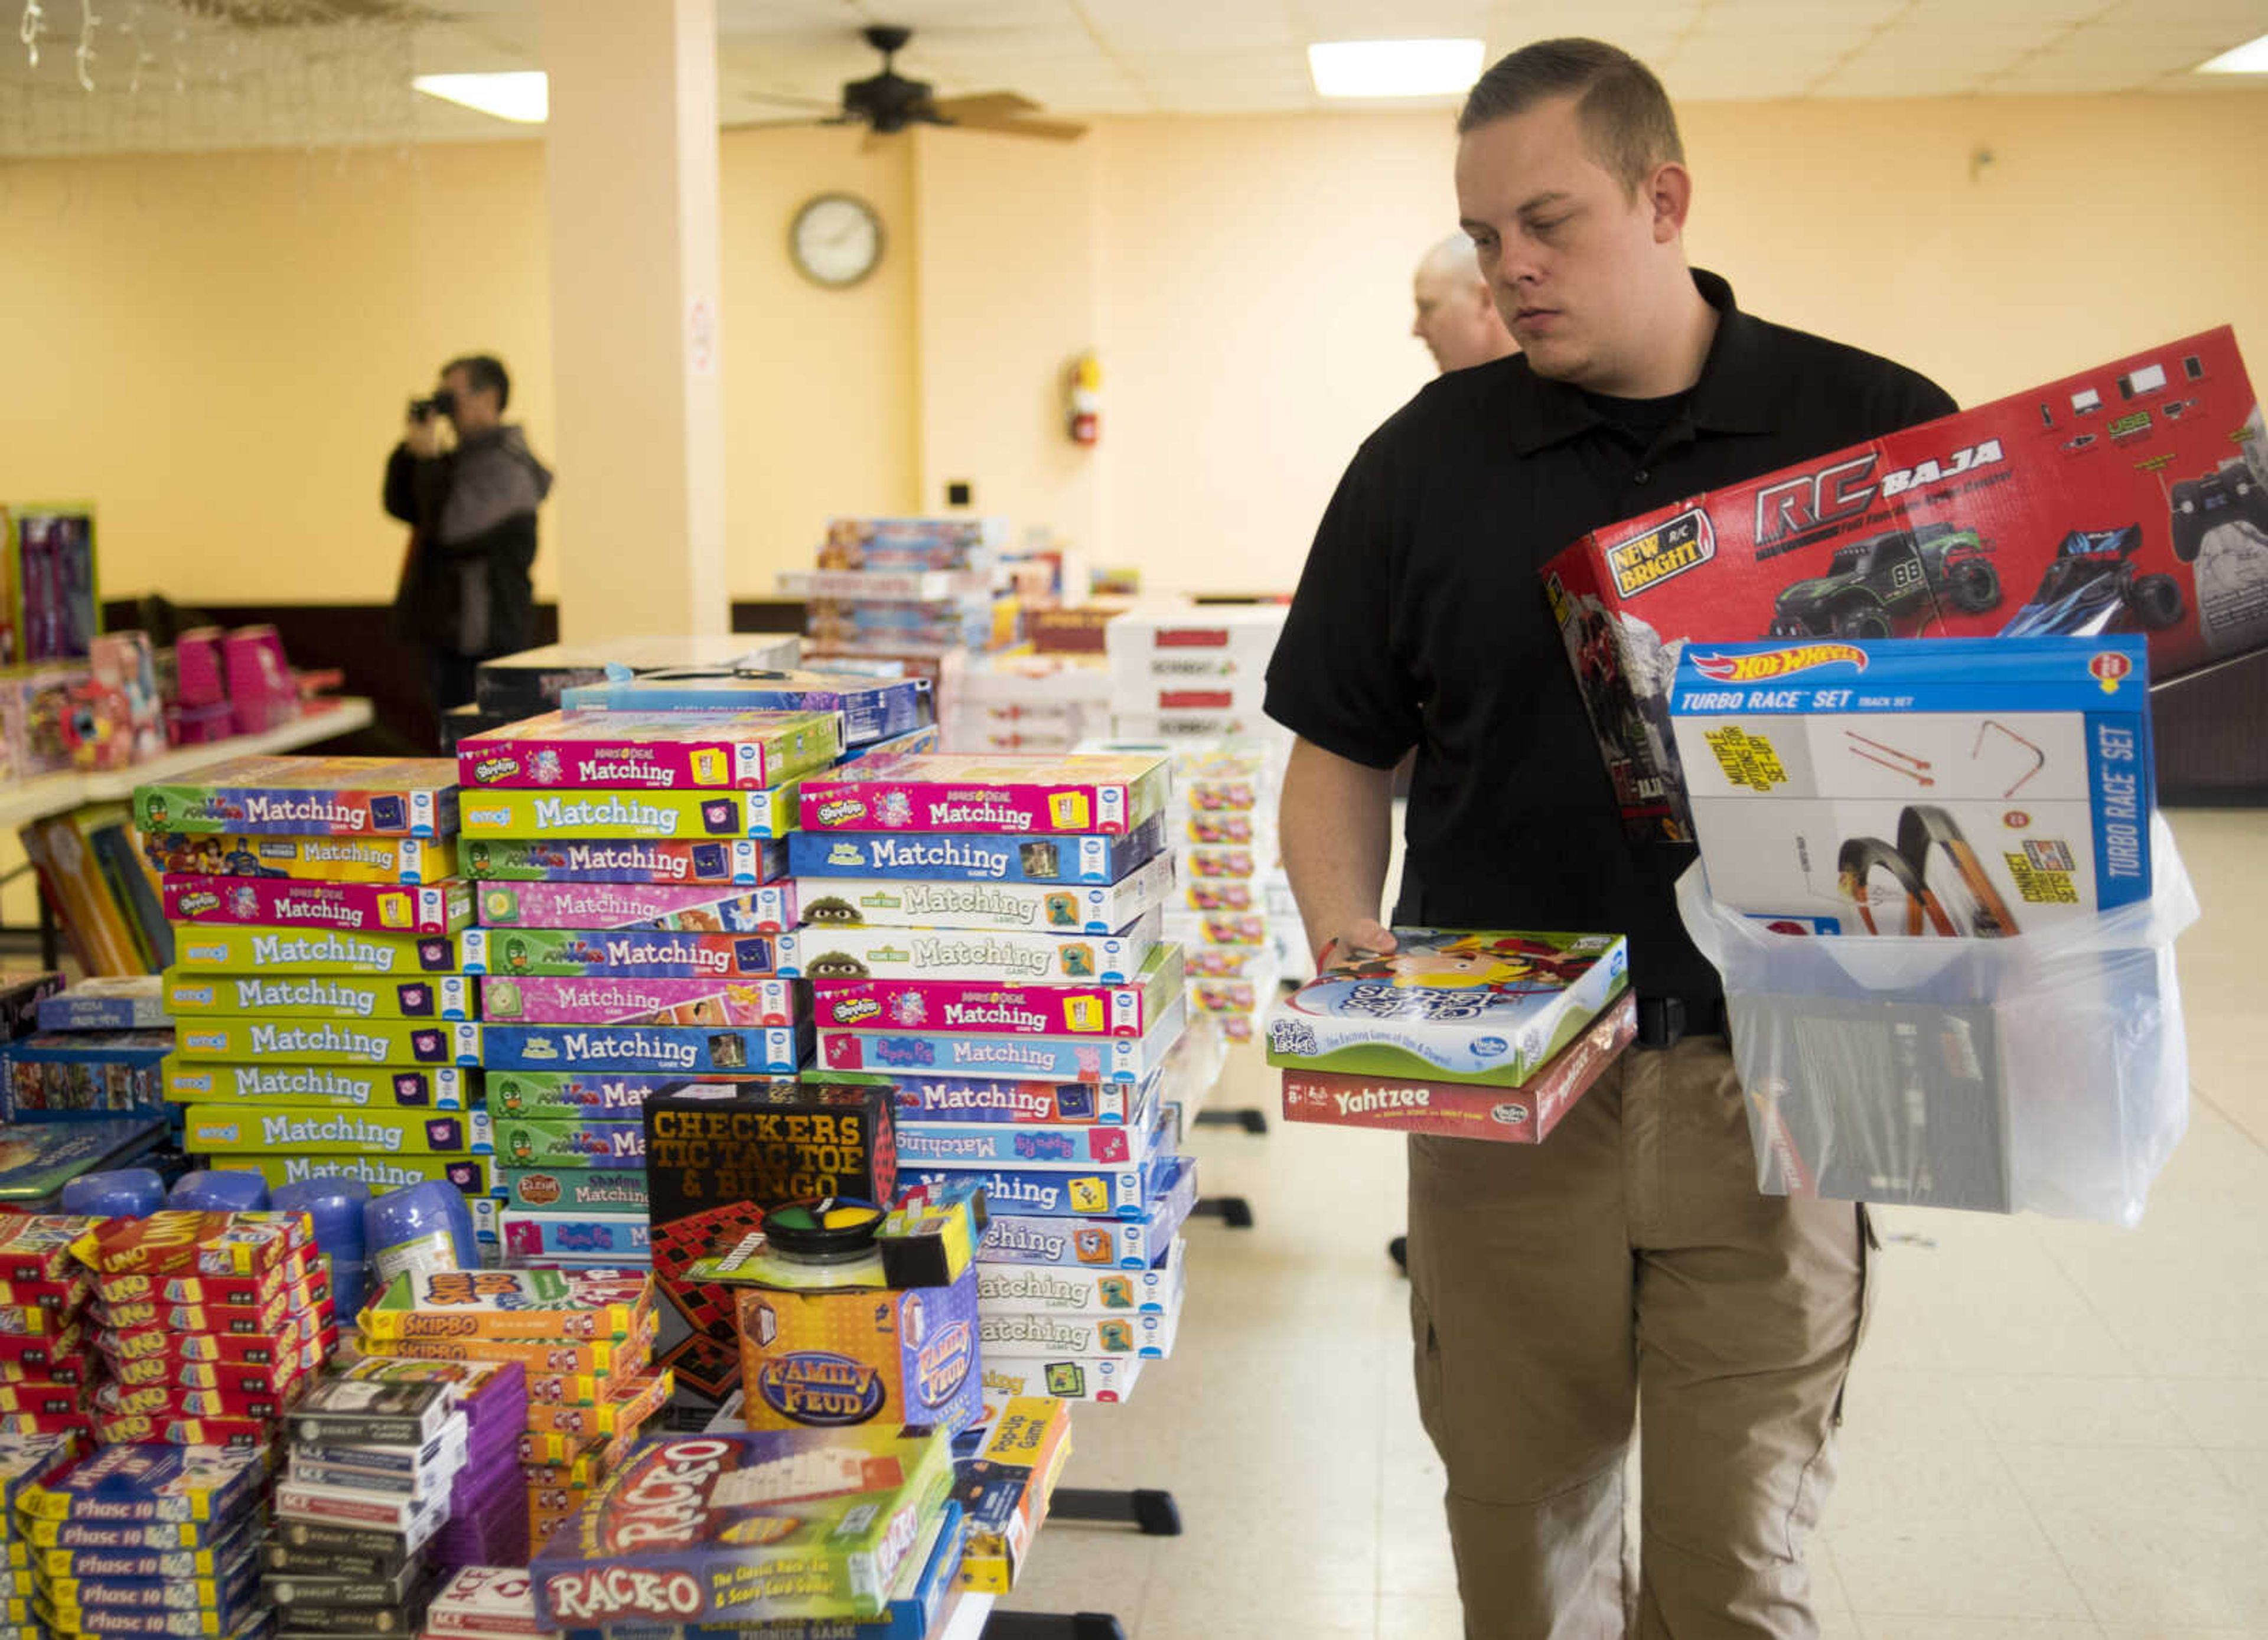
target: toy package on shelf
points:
(1457, 1005)
(515, 686)
(324, 797)
(2131, 498)
(1965, 787)
(47, 571)
(1002, 795)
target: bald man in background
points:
(1457, 319)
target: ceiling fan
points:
(888, 102)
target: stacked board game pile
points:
(99, 1050)
(1024, 1025)
(916, 588)
(1187, 674)
(513, 687)
(26, 1460)
(320, 1011)
(631, 881)
(585, 1341)
(47, 1373)
(146, 1540)
(397, 1470)
(1473, 1034)
(210, 1323)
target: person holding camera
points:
(465, 593)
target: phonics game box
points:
(2131, 498)
(1963, 787)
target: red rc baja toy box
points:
(2131, 498)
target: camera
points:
(442, 404)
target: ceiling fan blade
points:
(1052, 130)
(983, 105)
(772, 125)
(789, 99)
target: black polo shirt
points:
(1420, 618)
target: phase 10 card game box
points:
(664, 751)
(1466, 1110)
(1964, 788)
(737, 1528)
(326, 797)
(2131, 498)
(1010, 795)
(1456, 1006)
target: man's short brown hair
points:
(1627, 119)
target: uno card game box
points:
(569, 1141)
(352, 907)
(1136, 1244)
(745, 860)
(1016, 908)
(580, 1306)
(1008, 795)
(324, 797)
(223, 949)
(1464, 1110)
(599, 1094)
(208, 1129)
(316, 859)
(328, 1041)
(647, 954)
(660, 750)
(851, 1356)
(612, 999)
(769, 1523)
(612, 1192)
(985, 1099)
(1058, 1009)
(608, 815)
(2126, 499)
(690, 1050)
(986, 1054)
(39, 1247)
(1456, 1006)
(696, 910)
(320, 996)
(173, 1242)
(1042, 1289)
(947, 856)
(1962, 787)
(821, 952)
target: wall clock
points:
(836, 240)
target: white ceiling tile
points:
(1137, 28)
(1397, 19)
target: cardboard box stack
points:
(26, 1460)
(631, 883)
(143, 1539)
(47, 1373)
(1027, 702)
(322, 1015)
(983, 933)
(902, 587)
(397, 1471)
(99, 1049)
(512, 687)
(585, 1341)
(211, 1325)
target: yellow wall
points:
(217, 346)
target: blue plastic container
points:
(220, 1190)
(122, 1193)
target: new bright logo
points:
(1778, 663)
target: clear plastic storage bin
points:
(2046, 1072)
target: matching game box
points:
(324, 797)
(652, 751)
(744, 862)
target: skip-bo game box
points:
(1963, 788)
(2130, 499)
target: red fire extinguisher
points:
(1086, 400)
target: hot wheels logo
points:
(819, 1387)
(1778, 663)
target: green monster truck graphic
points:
(1890, 585)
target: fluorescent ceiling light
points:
(523, 98)
(2251, 57)
(1394, 68)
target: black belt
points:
(1662, 1020)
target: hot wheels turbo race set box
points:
(1957, 788)
(2131, 498)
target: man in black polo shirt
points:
(1628, 1269)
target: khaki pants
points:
(1627, 1270)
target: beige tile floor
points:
(2056, 1432)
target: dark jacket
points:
(465, 587)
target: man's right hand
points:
(423, 439)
